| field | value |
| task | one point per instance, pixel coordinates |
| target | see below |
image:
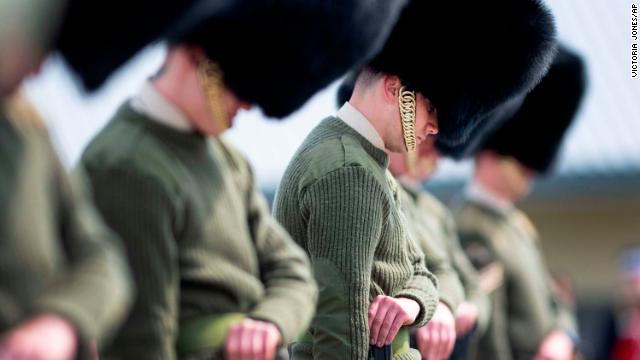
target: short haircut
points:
(367, 77)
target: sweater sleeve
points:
(422, 287)
(94, 292)
(450, 287)
(344, 211)
(483, 258)
(468, 275)
(142, 213)
(291, 293)
(565, 317)
(436, 258)
(495, 340)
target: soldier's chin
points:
(521, 188)
(397, 148)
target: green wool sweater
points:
(56, 256)
(428, 235)
(435, 232)
(524, 308)
(199, 235)
(339, 203)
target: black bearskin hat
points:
(278, 53)
(275, 53)
(468, 66)
(534, 134)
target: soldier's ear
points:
(391, 87)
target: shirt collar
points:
(150, 102)
(483, 196)
(358, 122)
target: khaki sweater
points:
(435, 232)
(525, 309)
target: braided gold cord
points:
(407, 102)
(211, 79)
(410, 161)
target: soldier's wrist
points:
(411, 307)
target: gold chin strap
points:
(410, 161)
(210, 77)
(407, 102)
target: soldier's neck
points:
(374, 113)
(499, 192)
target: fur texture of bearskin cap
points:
(486, 126)
(468, 66)
(533, 135)
(278, 53)
(274, 53)
(95, 39)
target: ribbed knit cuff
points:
(451, 291)
(81, 322)
(273, 318)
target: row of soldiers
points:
(183, 258)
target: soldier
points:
(431, 225)
(27, 29)
(434, 229)
(83, 33)
(216, 275)
(338, 200)
(64, 284)
(528, 321)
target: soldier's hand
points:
(466, 317)
(44, 337)
(94, 351)
(437, 338)
(387, 315)
(556, 346)
(491, 277)
(252, 340)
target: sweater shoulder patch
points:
(137, 154)
(321, 159)
(332, 154)
(355, 154)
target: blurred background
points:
(588, 213)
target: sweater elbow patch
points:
(330, 326)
